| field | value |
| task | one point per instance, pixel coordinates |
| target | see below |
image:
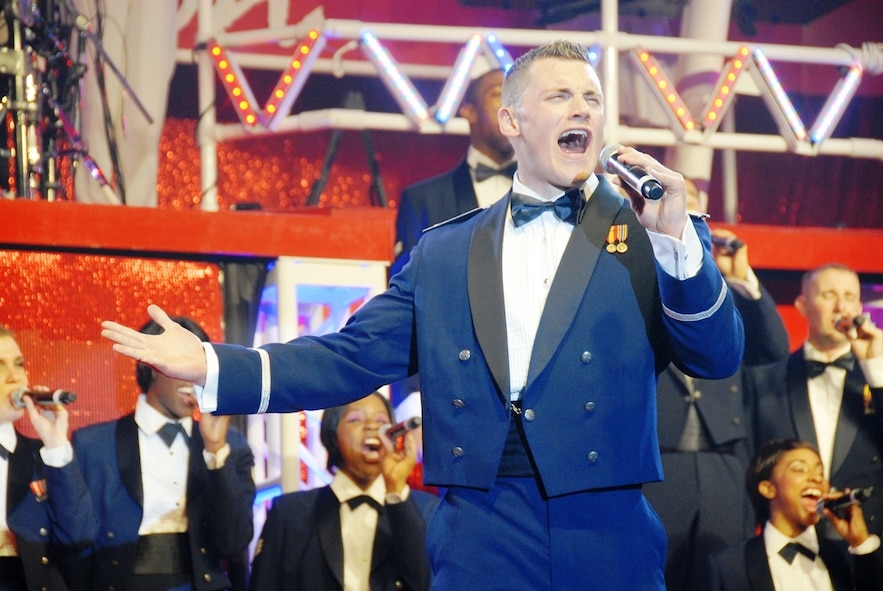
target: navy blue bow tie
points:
(791, 549)
(816, 368)
(484, 172)
(568, 208)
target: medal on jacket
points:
(868, 400)
(38, 487)
(616, 238)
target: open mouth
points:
(574, 141)
(811, 496)
(371, 447)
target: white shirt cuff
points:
(207, 396)
(873, 370)
(57, 457)
(749, 288)
(216, 461)
(682, 258)
(396, 498)
(866, 547)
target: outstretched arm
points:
(176, 353)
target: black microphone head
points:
(609, 151)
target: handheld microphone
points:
(729, 245)
(854, 497)
(43, 398)
(636, 177)
(400, 429)
(847, 323)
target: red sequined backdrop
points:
(55, 303)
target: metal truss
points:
(360, 48)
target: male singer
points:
(538, 326)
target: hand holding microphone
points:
(636, 177)
(399, 430)
(42, 398)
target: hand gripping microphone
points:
(636, 177)
(400, 429)
(854, 497)
(42, 398)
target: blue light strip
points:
(455, 87)
(834, 107)
(781, 98)
(400, 86)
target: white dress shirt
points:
(357, 528)
(164, 472)
(9, 441)
(802, 574)
(490, 190)
(826, 395)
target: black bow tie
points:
(568, 208)
(484, 172)
(356, 501)
(170, 431)
(790, 550)
(816, 368)
(4, 453)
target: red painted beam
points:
(361, 234)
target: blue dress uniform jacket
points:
(49, 528)
(301, 549)
(589, 406)
(219, 504)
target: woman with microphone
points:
(45, 511)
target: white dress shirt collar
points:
(8, 438)
(150, 420)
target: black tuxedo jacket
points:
(49, 512)
(745, 568)
(430, 202)
(301, 550)
(780, 397)
(219, 504)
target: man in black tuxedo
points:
(481, 178)
(785, 482)
(366, 530)
(830, 391)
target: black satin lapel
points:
(20, 471)
(851, 411)
(328, 519)
(129, 457)
(758, 568)
(485, 287)
(464, 191)
(838, 567)
(383, 541)
(572, 278)
(799, 398)
(196, 476)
